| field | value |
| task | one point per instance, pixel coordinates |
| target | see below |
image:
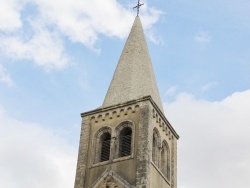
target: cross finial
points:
(138, 6)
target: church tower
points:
(128, 142)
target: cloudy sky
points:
(57, 59)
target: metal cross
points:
(138, 6)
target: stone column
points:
(174, 163)
(82, 153)
(144, 151)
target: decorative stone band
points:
(114, 113)
(164, 125)
(100, 114)
(110, 179)
(162, 175)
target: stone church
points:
(128, 142)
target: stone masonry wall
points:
(174, 163)
(144, 151)
(83, 153)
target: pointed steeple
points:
(134, 76)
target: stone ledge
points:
(168, 181)
(103, 113)
(112, 161)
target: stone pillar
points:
(82, 153)
(174, 163)
(144, 151)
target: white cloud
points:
(213, 149)
(81, 21)
(33, 156)
(203, 37)
(171, 91)
(208, 86)
(5, 77)
(44, 48)
(10, 15)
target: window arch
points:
(165, 159)
(155, 147)
(102, 145)
(125, 140)
(154, 152)
(125, 137)
(105, 147)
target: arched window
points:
(125, 142)
(102, 145)
(125, 138)
(105, 146)
(154, 152)
(165, 160)
(155, 147)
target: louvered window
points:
(125, 142)
(165, 166)
(154, 152)
(164, 160)
(105, 147)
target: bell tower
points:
(128, 142)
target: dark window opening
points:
(105, 147)
(125, 142)
(165, 166)
(154, 152)
(163, 161)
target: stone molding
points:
(164, 124)
(160, 172)
(115, 133)
(115, 111)
(111, 177)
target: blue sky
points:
(57, 59)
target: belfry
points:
(128, 142)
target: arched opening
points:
(155, 147)
(154, 152)
(125, 142)
(105, 146)
(165, 161)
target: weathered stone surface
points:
(132, 103)
(112, 180)
(143, 156)
(82, 153)
(134, 76)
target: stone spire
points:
(134, 76)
